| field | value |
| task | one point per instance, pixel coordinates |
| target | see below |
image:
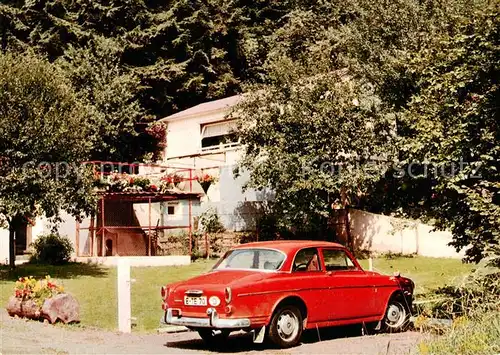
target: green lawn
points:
(95, 286)
(427, 273)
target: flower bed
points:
(116, 182)
(28, 288)
(42, 299)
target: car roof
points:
(288, 246)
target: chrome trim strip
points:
(212, 321)
(194, 292)
(310, 289)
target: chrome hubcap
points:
(395, 315)
(288, 325)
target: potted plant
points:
(169, 181)
(205, 180)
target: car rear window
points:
(252, 258)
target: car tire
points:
(286, 327)
(397, 316)
(213, 338)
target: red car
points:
(277, 289)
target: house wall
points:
(380, 233)
(4, 246)
(238, 210)
(184, 135)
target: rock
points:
(63, 307)
(28, 308)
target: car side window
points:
(336, 259)
(307, 260)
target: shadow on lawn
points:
(243, 342)
(67, 271)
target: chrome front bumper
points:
(212, 321)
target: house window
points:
(170, 210)
(219, 135)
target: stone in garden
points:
(19, 308)
(63, 307)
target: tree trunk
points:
(14, 223)
(350, 241)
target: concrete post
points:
(124, 304)
(370, 263)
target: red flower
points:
(154, 187)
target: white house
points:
(202, 138)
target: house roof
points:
(207, 107)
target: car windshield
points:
(260, 259)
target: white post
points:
(370, 263)
(124, 305)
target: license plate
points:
(195, 301)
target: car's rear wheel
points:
(397, 316)
(213, 337)
(285, 328)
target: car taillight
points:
(164, 292)
(228, 294)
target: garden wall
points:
(379, 233)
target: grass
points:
(467, 337)
(95, 289)
(146, 299)
(427, 273)
(95, 286)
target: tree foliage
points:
(455, 124)
(378, 91)
(43, 128)
(346, 97)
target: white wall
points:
(184, 134)
(4, 246)
(380, 233)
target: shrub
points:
(210, 221)
(51, 249)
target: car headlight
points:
(214, 301)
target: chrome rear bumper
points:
(212, 321)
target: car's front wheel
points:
(213, 337)
(397, 316)
(285, 328)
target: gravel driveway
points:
(18, 336)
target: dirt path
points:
(27, 337)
